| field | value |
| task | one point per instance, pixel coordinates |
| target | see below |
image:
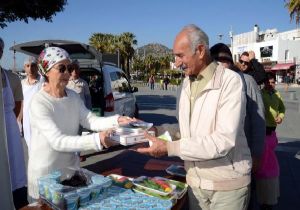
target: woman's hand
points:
(105, 139)
(124, 120)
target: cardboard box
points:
(127, 137)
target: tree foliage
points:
(14, 10)
(109, 43)
(152, 64)
(124, 43)
(293, 7)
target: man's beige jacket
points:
(213, 144)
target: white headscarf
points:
(51, 56)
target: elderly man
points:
(213, 145)
(79, 85)
(31, 84)
(12, 98)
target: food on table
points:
(121, 181)
(156, 184)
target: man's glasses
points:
(62, 68)
(244, 62)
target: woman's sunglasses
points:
(62, 68)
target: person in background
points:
(255, 126)
(161, 82)
(31, 84)
(166, 82)
(291, 78)
(151, 81)
(212, 109)
(96, 90)
(12, 99)
(287, 82)
(56, 114)
(250, 65)
(79, 85)
(267, 176)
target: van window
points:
(119, 82)
(94, 79)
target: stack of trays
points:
(60, 196)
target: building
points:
(279, 52)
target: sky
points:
(151, 21)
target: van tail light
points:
(109, 103)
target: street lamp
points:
(231, 40)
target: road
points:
(157, 106)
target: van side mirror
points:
(134, 89)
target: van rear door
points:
(124, 100)
(82, 52)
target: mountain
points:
(154, 49)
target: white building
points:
(277, 51)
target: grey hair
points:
(196, 36)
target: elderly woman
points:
(56, 114)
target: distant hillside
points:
(153, 49)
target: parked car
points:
(110, 89)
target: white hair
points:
(196, 36)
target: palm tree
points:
(97, 40)
(105, 43)
(293, 7)
(148, 60)
(126, 42)
(138, 63)
(109, 43)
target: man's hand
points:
(251, 55)
(124, 120)
(158, 148)
(105, 139)
(278, 120)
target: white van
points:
(112, 93)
